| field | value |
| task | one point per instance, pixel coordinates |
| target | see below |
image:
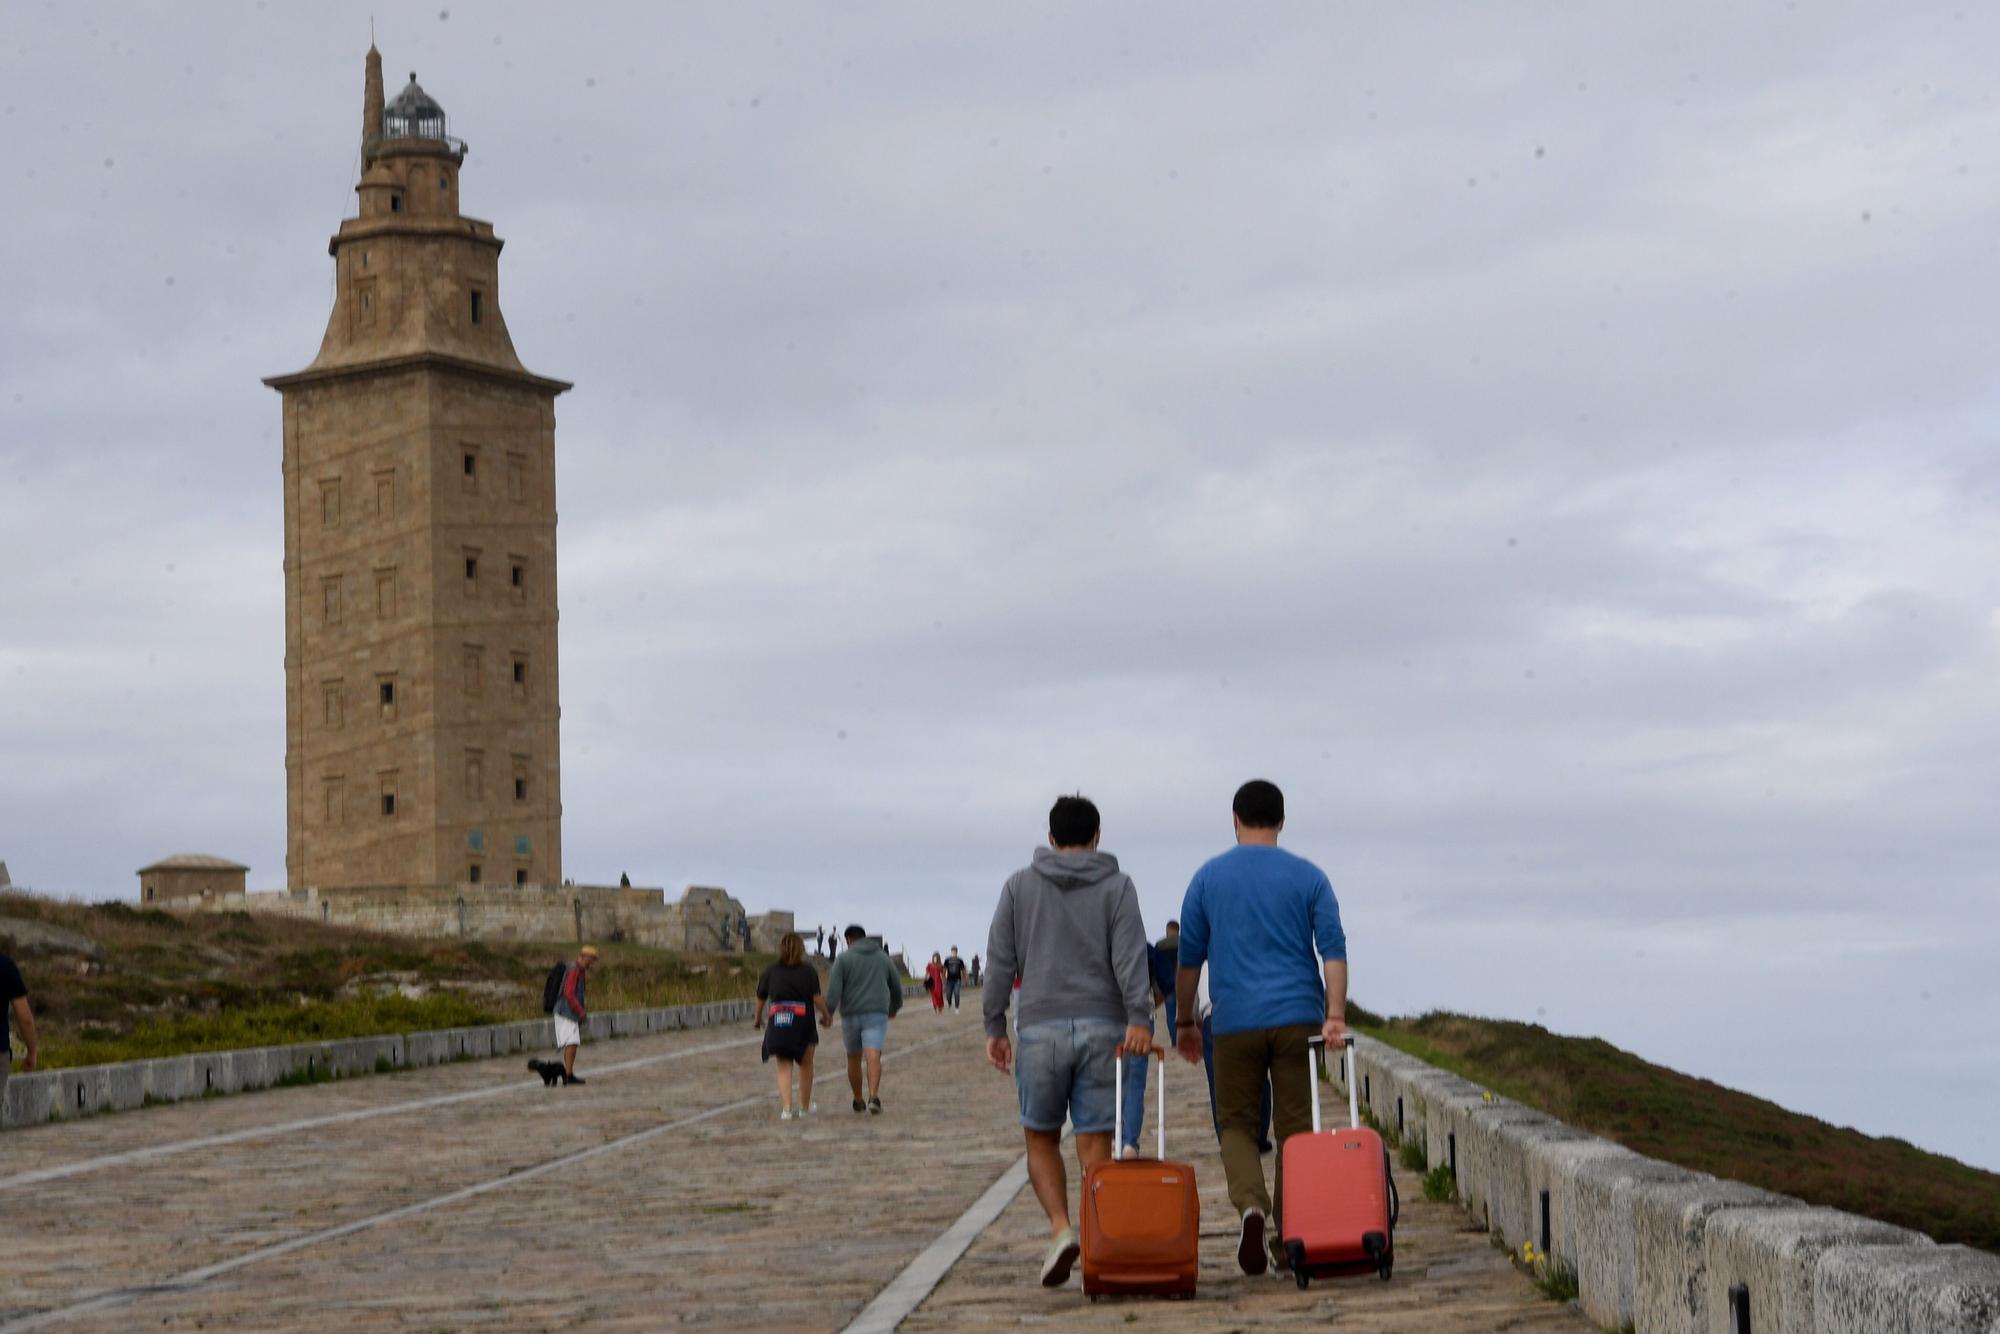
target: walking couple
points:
(863, 991)
(1068, 930)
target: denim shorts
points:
(1067, 1068)
(864, 1030)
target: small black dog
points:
(550, 1071)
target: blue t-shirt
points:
(1253, 915)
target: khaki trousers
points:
(1242, 1063)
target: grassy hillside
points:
(1698, 1124)
(159, 984)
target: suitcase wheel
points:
(1302, 1278)
(1384, 1271)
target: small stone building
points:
(190, 875)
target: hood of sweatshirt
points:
(1074, 870)
(864, 946)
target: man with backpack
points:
(563, 998)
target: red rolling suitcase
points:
(1340, 1197)
(1141, 1226)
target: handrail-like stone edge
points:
(90, 1090)
(1659, 1248)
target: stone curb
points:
(1661, 1248)
(89, 1090)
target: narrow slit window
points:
(520, 789)
(477, 302)
(520, 672)
(471, 464)
(472, 567)
(396, 202)
(388, 803)
(518, 575)
(472, 873)
(520, 875)
(388, 694)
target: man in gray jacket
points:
(866, 993)
(1068, 929)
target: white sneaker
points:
(1060, 1259)
(784, 1113)
(811, 1111)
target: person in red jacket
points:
(934, 982)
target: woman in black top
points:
(789, 992)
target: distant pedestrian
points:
(624, 880)
(1068, 933)
(954, 979)
(14, 1009)
(1136, 1070)
(1268, 927)
(571, 1012)
(819, 940)
(975, 970)
(866, 993)
(789, 994)
(832, 944)
(743, 930)
(1166, 964)
(934, 982)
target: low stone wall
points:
(1663, 1250)
(59, 1095)
(705, 919)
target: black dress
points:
(789, 1028)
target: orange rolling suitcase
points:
(1141, 1229)
(1340, 1198)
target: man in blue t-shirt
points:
(1266, 924)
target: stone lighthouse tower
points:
(420, 546)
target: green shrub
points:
(1440, 1185)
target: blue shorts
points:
(1067, 1068)
(864, 1030)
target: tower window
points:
(444, 181)
(388, 694)
(329, 502)
(472, 567)
(520, 672)
(389, 804)
(335, 701)
(330, 599)
(476, 303)
(472, 873)
(471, 464)
(396, 201)
(520, 875)
(520, 788)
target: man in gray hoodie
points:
(1068, 929)
(866, 993)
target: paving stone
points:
(735, 1221)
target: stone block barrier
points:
(60, 1095)
(1658, 1248)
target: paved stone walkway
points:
(684, 1202)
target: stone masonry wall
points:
(580, 913)
(1656, 1247)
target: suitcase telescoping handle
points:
(1118, 1103)
(1313, 1048)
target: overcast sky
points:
(1556, 444)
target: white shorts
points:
(568, 1034)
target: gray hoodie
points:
(864, 982)
(1068, 926)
